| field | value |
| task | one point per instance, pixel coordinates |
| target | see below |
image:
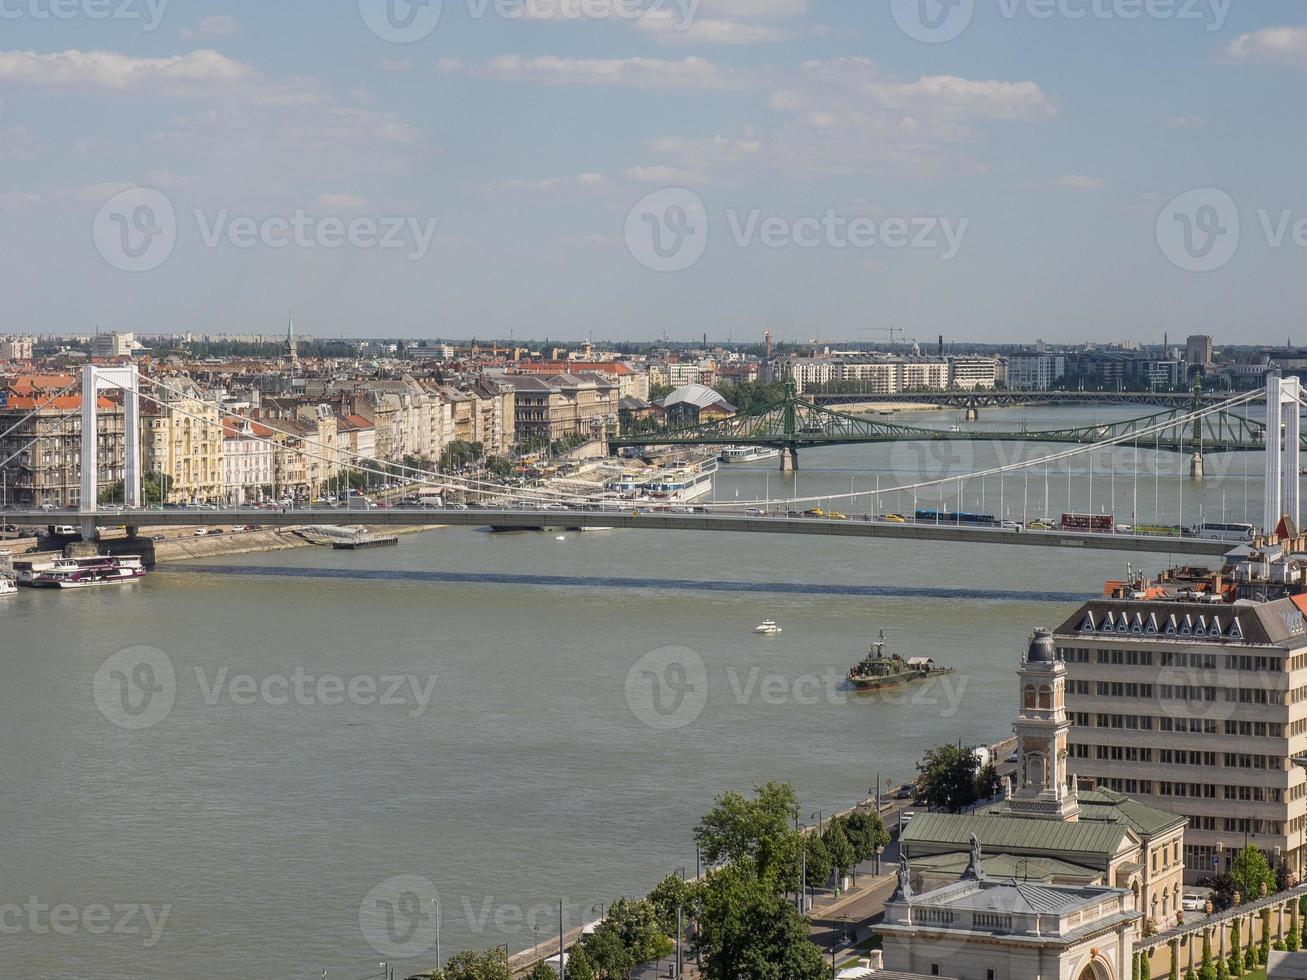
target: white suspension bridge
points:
(495, 504)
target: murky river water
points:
(211, 772)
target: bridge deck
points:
(648, 520)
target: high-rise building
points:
(1199, 350)
(1196, 706)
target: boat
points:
(680, 484)
(82, 573)
(747, 454)
(878, 670)
(767, 626)
(8, 586)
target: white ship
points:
(83, 573)
(681, 484)
(8, 586)
(748, 454)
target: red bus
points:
(1089, 523)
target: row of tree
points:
(738, 920)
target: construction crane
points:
(889, 331)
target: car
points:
(1124, 529)
(755, 512)
(1012, 526)
(201, 532)
(1039, 526)
(893, 518)
(1193, 902)
(1015, 756)
(906, 792)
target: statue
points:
(1007, 787)
(904, 890)
(975, 868)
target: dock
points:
(366, 541)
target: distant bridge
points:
(794, 423)
(989, 398)
(518, 519)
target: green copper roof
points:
(1095, 840)
(1145, 820)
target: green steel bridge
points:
(794, 424)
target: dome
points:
(1042, 648)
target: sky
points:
(989, 170)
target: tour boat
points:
(82, 573)
(748, 454)
(8, 586)
(682, 484)
(767, 626)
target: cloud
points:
(219, 25)
(1188, 122)
(846, 116)
(346, 202)
(395, 66)
(16, 201)
(667, 176)
(1078, 182)
(668, 25)
(110, 71)
(649, 73)
(19, 143)
(1281, 45)
(576, 182)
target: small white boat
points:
(561, 537)
(767, 626)
(8, 586)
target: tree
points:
(756, 831)
(866, 832)
(578, 964)
(636, 922)
(948, 777)
(987, 782)
(490, 964)
(1223, 889)
(499, 467)
(749, 932)
(839, 848)
(671, 894)
(1250, 871)
(818, 861)
(607, 954)
(460, 453)
(543, 971)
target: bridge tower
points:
(1196, 460)
(94, 380)
(789, 425)
(1283, 452)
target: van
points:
(64, 530)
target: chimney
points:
(941, 345)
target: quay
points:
(366, 541)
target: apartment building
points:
(15, 348)
(248, 461)
(971, 371)
(182, 438)
(1197, 707)
(873, 375)
(549, 409)
(42, 448)
(1037, 371)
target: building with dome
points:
(694, 404)
(1047, 831)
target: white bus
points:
(1225, 532)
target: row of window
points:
(1179, 658)
(1176, 757)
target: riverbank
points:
(870, 408)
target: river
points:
(310, 739)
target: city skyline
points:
(489, 173)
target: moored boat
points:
(768, 627)
(82, 573)
(747, 454)
(878, 669)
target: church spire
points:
(292, 346)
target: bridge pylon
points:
(789, 459)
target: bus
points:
(956, 517)
(1089, 523)
(1224, 532)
